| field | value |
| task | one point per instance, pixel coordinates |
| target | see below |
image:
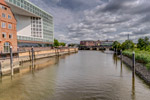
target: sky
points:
(76, 20)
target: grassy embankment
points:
(140, 56)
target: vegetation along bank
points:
(142, 55)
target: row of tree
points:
(143, 44)
(57, 43)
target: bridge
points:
(101, 47)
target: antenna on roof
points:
(128, 36)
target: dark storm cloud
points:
(75, 5)
(77, 20)
(72, 4)
(114, 5)
(117, 18)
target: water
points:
(87, 75)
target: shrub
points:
(140, 56)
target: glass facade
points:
(43, 30)
(36, 27)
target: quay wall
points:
(27, 56)
(140, 69)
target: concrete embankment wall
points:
(27, 56)
(140, 69)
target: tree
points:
(62, 44)
(146, 42)
(143, 43)
(116, 45)
(56, 42)
(128, 44)
(140, 44)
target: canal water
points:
(87, 75)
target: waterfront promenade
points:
(31, 54)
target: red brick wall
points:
(12, 31)
(87, 43)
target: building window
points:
(3, 25)
(36, 27)
(3, 15)
(9, 26)
(3, 7)
(10, 36)
(9, 17)
(6, 47)
(4, 35)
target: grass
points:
(140, 56)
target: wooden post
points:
(18, 51)
(68, 51)
(32, 51)
(133, 64)
(121, 55)
(11, 61)
(58, 51)
(0, 69)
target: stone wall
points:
(140, 69)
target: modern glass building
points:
(34, 25)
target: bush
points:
(143, 44)
(140, 56)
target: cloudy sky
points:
(77, 20)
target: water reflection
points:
(133, 88)
(121, 64)
(115, 58)
(83, 76)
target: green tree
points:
(143, 43)
(116, 45)
(56, 42)
(62, 44)
(128, 44)
(140, 44)
(146, 41)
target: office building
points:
(34, 25)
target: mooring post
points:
(18, 51)
(68, 51)
(32, 51)
(0, 69)
(58, 51)
(121, 55)
(11, 61)
(133, 64)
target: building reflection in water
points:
(38, 64)
(28, 74)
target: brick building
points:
(23, 24)
(34, 26)
(87, 43)
(8, 33)
(96, 43)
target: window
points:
(10, 36)
(3, 24)
(6, 47)
(9, 17)
(3, 15)
(9, 26)
(3, 7)
(4, 35)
